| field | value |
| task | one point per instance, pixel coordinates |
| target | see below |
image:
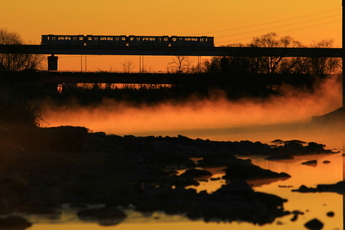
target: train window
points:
(148, 39)
(191, 39)
(63, 38)
(81, 38)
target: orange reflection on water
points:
(287, 117)
(313, 205)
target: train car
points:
(123, 40)
(98, 40)
(69, 40)
(160, 41)
(203, 41)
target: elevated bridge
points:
(173, 51)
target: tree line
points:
(17, 62)
(268, 64)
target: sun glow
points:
(228, 21)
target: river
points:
(287, 118)
(313, 205)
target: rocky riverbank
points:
(43, 169)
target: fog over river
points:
(286, 117)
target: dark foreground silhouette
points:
(43, 168)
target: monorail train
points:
(123, 40)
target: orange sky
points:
(228, 21)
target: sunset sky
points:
(228, 21)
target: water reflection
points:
(178, 120)
(313, 205)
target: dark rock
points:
(312, 162)
(299, 142)
(236, 201)
(314, 224)
(296, 147)
(330, 214)
(326, 162)
(136, 172)
(242, 169)
(285, 186)
(63, 138)
(14, 223)
(182, 181)
(337, 187)
(196, 173)
(53, 212)
(237, 186)
(44, 196)
(214, 179)
(14, 190)
(304, 189)
(315, 148)
(106, 216)
(216, 159)
(277, 141)
(295, 215)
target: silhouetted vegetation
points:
(15, 105)
(273, 64)
(16, 62)
(16, 108)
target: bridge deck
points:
(173, 51)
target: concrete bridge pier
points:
(52, 63)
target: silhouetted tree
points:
(15, 106)
(16, 62)
(271, 64)
(180, 64)
(212, 65)
(127, 66)
(275, 64)
(323, 65)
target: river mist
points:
(291, 106)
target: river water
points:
(287, 118)
(313, 205)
